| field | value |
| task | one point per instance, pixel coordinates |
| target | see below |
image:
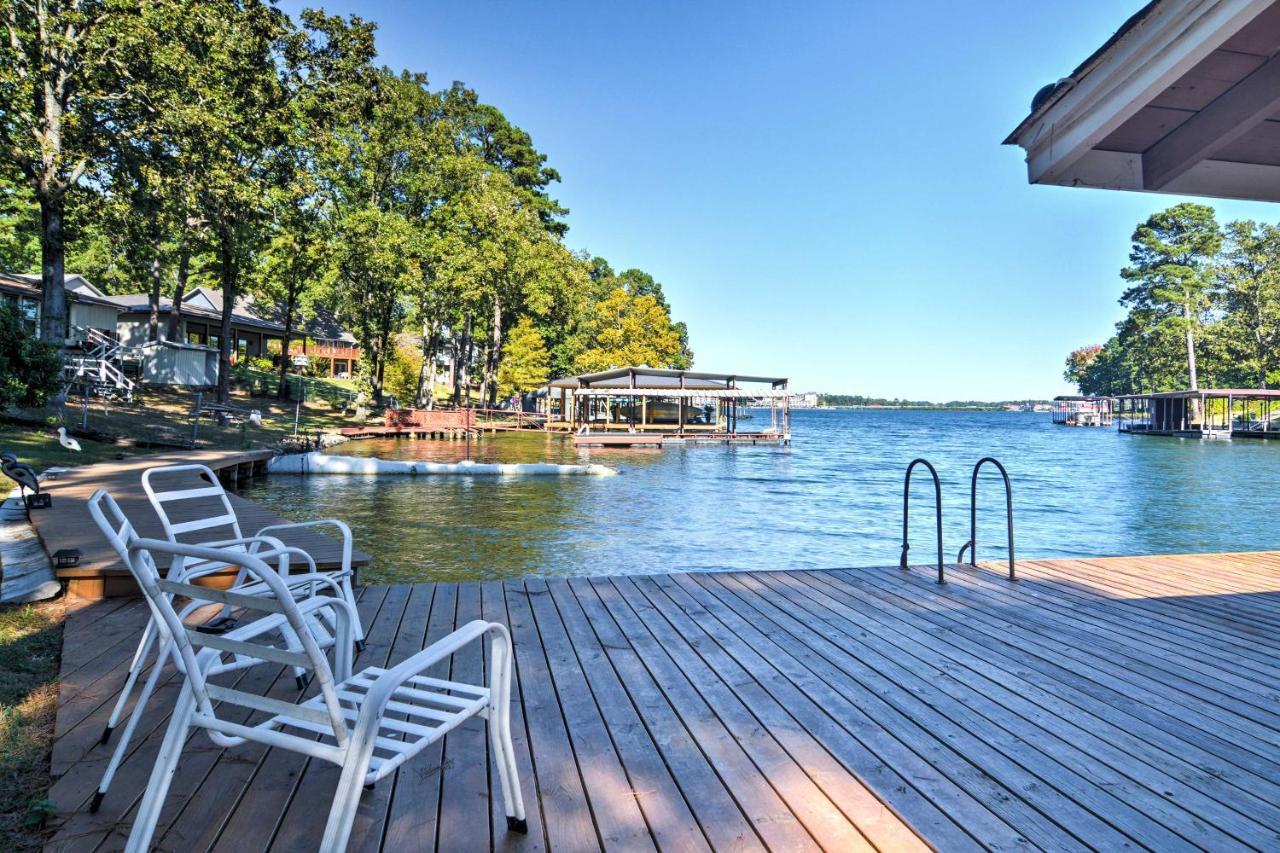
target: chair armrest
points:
(245, 540)
(320, 522)
(381, 691)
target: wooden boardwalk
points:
(1107, 704)
(67, 523)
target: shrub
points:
(30, 370)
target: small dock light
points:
(65, 558)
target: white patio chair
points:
(165, 502)
(349, 714)
(120, 534)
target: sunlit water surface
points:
(832, 499)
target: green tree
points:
(525, 361)
(19, 226)
(30, 369)
(1249, 276)
(65, 73)
(630, 330)
(1171, 274)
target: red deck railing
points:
(431, 419)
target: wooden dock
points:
(1126, 703)
(67, 523)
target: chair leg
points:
(144, 825)
(500, 734)
(346, 799)
(350, 593)
(122, 745)
(135, 669)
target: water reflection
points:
(832, 499)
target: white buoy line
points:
(324, 463)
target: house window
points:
(28, 310)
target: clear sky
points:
(820, 187)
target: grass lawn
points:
(163, 418)
(30, 647)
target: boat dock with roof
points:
(1203, 413)
(644, 406)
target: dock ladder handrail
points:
(906, 501)
(972, 545)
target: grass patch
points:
(30, 648)
(160, 417)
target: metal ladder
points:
(906, 501)
(972, 545)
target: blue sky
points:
(820, 187)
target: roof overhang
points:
(1185, 99)
(685, 393)
(627, 376)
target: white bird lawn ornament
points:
(67, 441)
(255, 417)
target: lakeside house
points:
(88, 307)
(125, 318)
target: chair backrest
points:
(114, 524)
(187, 510)
(119, 533)
(195, 653)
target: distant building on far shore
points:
(807, 400)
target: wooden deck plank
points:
(776, 824)
(566, 814)
(1113, 680)
(868, 679)
(1049, 748)
(464, 796)
(415, 809)
(923, 595)
(722, 821)
(753, 720)
(1114, 703)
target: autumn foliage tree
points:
(630, 330)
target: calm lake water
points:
(832, 499)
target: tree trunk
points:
(153, 317)
(290, 305)
(427, 373)
(184, 271)
(227, 274)
(462, 374)
(1191, 346)
(1191, 361)
(53, 299)
(495, 353)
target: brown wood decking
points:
(67, 523)
(1108, 703)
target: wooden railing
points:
(431, 419)
(326, 350)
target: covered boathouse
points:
(1205, 413)
(645, 406)
(1074, 410)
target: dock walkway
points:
(67, 523)
(1106, 703)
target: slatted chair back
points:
(198, 506)
(196, 653)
